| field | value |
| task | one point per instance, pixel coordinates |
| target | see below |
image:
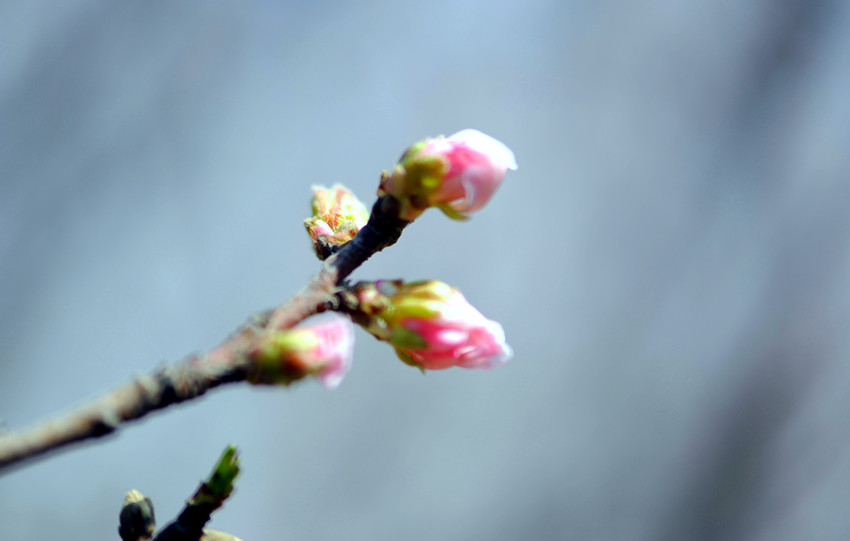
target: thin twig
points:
(195, 375)
(137, 520)
(189, 524)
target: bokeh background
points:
(670, 262)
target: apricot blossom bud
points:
(323, 348)
(431, 325)
(457, 174)
(337, 216)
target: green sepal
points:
(413, 308)
(408, 360)
(452, 213)
(405, 338)
(412, 151)
(277, 344)
(425, 173)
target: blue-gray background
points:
(670, 262)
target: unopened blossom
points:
(457, 174)
(323, 348)
(337, 216)
(431, 325)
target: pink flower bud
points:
(432, 325)
(323, 348)
(457, 174)
(337, 215)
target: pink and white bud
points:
(432, 325)
(457, 174)
(337, 216)
(323, 348)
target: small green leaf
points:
(220, 483)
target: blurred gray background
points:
(670, 262)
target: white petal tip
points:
(496, 150)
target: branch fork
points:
(196, 374)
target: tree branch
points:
(196, 374)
